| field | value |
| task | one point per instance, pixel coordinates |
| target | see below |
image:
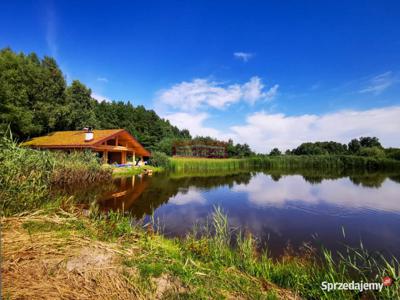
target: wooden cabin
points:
(113, 145)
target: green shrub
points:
(393, 153)
(159, 159)
(275, 152)
(372, 152)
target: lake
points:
(278, 209)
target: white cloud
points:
(194, 122)
(202, 93)
(253, 90)
(100, 98)
(244, 56)
(51, 32)
(272, 92)
(264, 131)
(102, 79)
(188, 196)
(379, 83)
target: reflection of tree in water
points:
(366, 179)
(372, 180)
(395, 178)
(313, 179)
(310, 175)
(276, 177)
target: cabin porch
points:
(117, 150)
(119, 157)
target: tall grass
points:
(288, 162)
(301, 273)
(206, 164)
(27, 175)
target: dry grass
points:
(53, 257)
(59, 263)
(45, 266)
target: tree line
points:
(363, 146)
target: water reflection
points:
(262, 190)
(277, 207)
(187, 196)
(123, 197)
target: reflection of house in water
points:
(128, 191)
(141, 195)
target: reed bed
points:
(207, 164)
(285, 162)
(27, 175)
(301, 273)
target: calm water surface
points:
(278, 209)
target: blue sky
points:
(269, 73)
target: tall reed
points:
(303, 273)
(27, 175)
(287, 162)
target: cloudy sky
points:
(271, 74)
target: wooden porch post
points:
(105, 156)
(123, 157)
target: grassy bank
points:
(108, 256)
(131, 171)
(287, 162)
